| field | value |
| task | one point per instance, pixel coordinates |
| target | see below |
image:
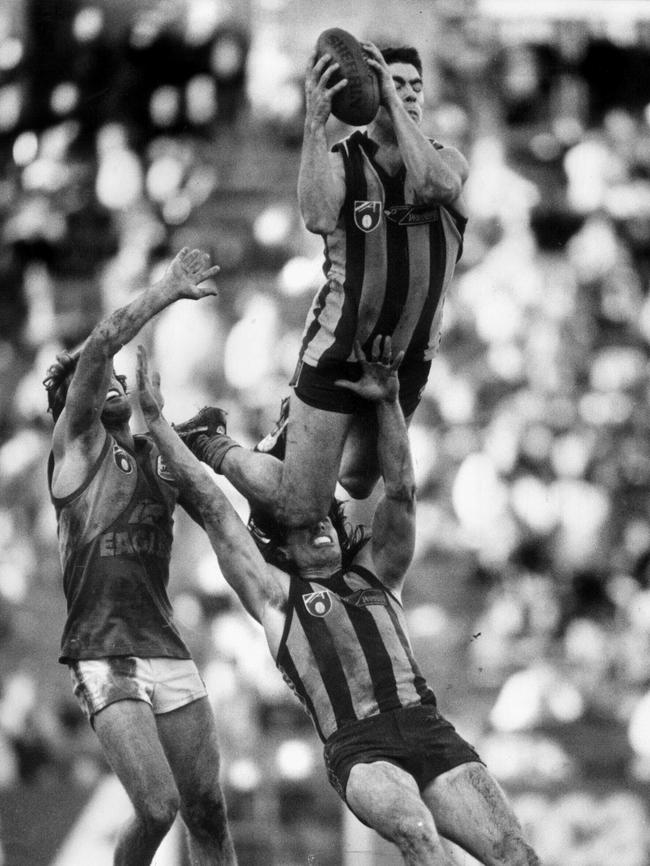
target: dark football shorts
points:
(315, 387)
(417, 739)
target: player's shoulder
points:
(276, 586)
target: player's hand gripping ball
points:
(358, 102)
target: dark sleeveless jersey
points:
(388, 263)
(115, 536)
(345, 652)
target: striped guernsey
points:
(344, 650)
(388, 265)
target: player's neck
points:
(317, 572)
(383, 133)
(122, 435)
(388, 154)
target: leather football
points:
(358, 102)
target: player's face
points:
(314, 546)
(408, 83)
(117, 408)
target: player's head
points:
(402, 54)
(405, 66)
(57, 381)
(58, 378)
(330, 543)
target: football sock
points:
(212, 449)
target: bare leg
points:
(387, 799)
(256, 476)
(360, 464)
(189, 737)
(315, 440)
(298, 490)
(129, 737)
(470, 808)
(360, 468)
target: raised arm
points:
(79, 428)
(240, 561)
(393, 526)
(321, 181)
(438, 175)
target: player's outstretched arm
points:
(185, 277)
(393, 526)
(241, 563)
(321, 184)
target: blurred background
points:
(129, 128)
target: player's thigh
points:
(387, 798)
(189, 738)
(360, 468)
(128, 735)
(470, 808)
(315, 439)
(360, 462)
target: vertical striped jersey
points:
(115, 536)
(388, 264)
(345, 652)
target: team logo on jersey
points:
(122, 460)
(162, 471)
(364, 597)
(367, 215)
(318, 603)
(413, 214)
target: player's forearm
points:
(393, 525)
(187, 470)
(316, 195)
(435, 178)
(394, 452)
(121, 326)
(239, 559)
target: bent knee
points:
(158, 814)
(415, 833)
(513, 850)
(294, 513)
(206, 815)
(358, 485)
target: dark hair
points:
(57, 381)
(58, 378)
(402, 54)
(270, 536)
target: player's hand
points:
(379, 381)
(318, 89)
(187, 271)
(149, 393)
(375, 60)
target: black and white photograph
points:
(324, 433)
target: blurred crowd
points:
(530, 596)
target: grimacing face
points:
(314, 546)
(409, 87)
(117, 406)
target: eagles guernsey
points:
(344, 650)
(115, 537)
(388, 265)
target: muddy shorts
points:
(163, 683)
(417, 739)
